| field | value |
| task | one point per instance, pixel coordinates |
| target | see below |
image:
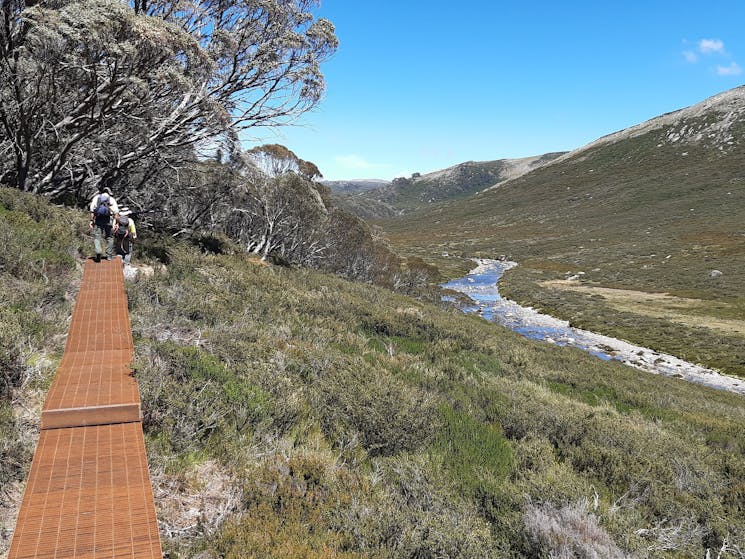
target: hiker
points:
(125, 234)
(104, 214)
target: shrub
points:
(288, 512)
(188, 396)
(428, 518)
(11, 352)
(568, 532)
(386, 414)
(474, 453)
(15, 451)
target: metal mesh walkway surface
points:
(88, 493)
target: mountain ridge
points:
(735, 96)
(352, 186)
(406, 194)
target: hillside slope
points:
(404, 195)
(659, 207)
(326, 418)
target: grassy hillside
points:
(39, 274)
(644, 214)
(292, 414)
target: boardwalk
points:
(88, 493)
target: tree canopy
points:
(91, 88)
(276, 159)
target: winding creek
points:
(480, 285)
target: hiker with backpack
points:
(125, 234)
(104, 215)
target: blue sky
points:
(418, 86)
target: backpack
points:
(123, 230)
(103, 208)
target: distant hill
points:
(355, 186)
(403, 195)
(658, 207)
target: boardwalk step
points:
(90, 415)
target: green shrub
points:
(387, 415)
(474, 453)
(36, 268)
(189, 397)
(11, 356)
(287, 514)
(428, 516)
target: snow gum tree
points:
(91, 88)
(276, 159)
(283, 215)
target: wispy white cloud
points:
(733, 69)
(690, 56)
(711, 46)
(353, 162)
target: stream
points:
(480, 285)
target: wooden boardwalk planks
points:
(88, 493)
